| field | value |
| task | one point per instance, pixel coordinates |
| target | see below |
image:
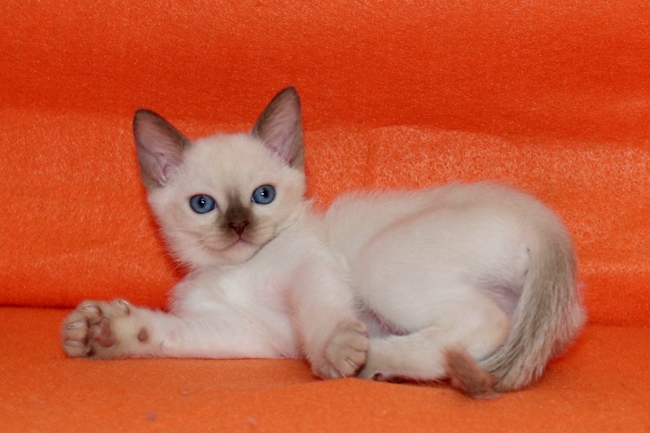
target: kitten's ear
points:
(160, 147)
(280, 127)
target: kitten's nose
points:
(238, 226)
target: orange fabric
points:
(552, 96)
(602, 385)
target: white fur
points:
(422, 264)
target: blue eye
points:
(202, 203)
(264, 194)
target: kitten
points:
(473, 282)
(262, 281)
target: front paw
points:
(346, 350)
(88, 331)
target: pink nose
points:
(238, 226)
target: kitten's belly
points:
(435, 264)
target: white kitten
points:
(439, 279)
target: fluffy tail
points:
(547, 317)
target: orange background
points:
(549, 96)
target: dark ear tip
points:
(139, 116)
(289, 93)
(143, 117)
(290, 89)
(144, 113)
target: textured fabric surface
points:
(601, 385)
(551, 96)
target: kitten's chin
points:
(240, 251)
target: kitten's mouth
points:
(223, 246)
(240, 241)
(233, 245)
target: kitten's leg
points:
(478, 329)
(117, 329)
(335, 341)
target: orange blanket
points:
(549, 96)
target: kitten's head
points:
(220, 199)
